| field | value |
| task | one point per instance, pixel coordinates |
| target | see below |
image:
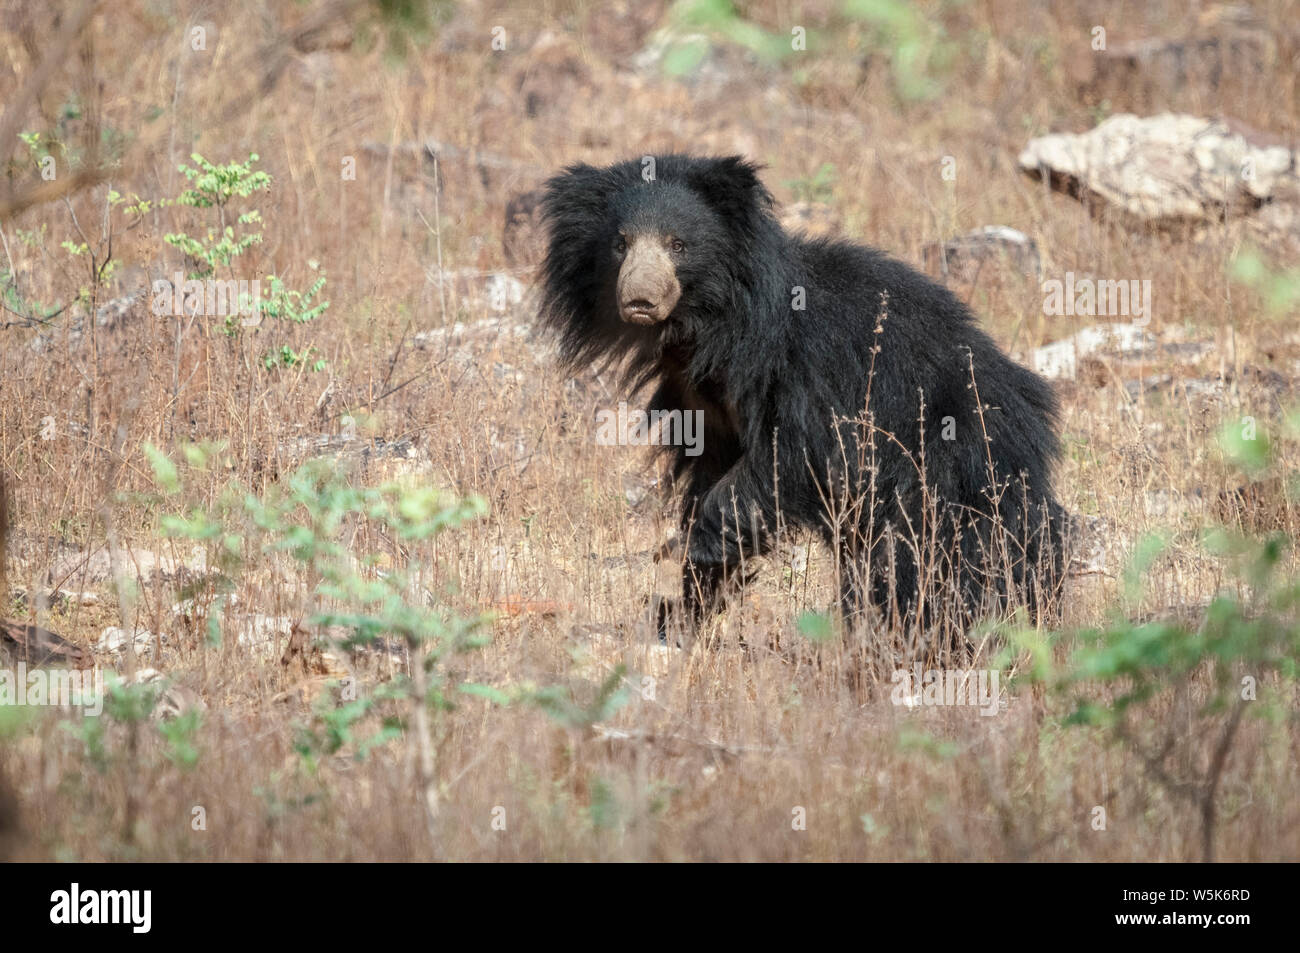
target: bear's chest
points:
(720, 415)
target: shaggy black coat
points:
(879, 414)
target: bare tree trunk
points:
(1208, 809)
(426, 767)
(8, 801)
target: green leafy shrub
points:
(1165, 686)
(353, 599)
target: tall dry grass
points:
(752, 728)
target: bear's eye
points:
(677, 245)
(620, 245)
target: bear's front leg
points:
(718, 541)
(703, 590)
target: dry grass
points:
(740, 734)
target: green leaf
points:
(815, 627)
(495, 695)
(685, 57)
(164, 470)
(1246, 446)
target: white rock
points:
(1060, 359)
(1168, 166)
(113, 640)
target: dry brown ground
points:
(736, 739)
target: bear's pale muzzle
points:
(648, 289)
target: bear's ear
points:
(731, 186)
(576, 200)
(575, 207)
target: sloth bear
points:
(840, 389)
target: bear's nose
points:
(647, 284)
